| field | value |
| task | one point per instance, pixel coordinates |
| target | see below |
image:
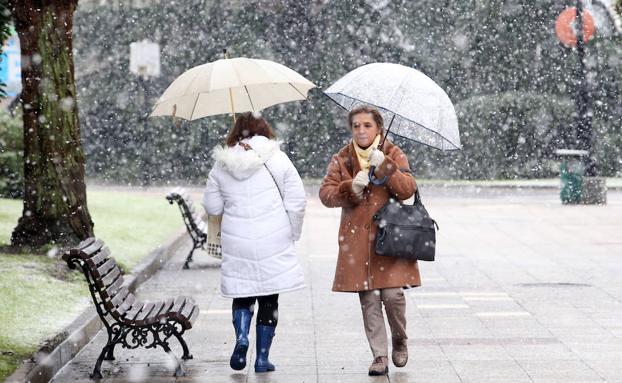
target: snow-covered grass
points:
(37, 300)
(35, 305)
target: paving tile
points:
(475, 352)
(487, 371)
(560, 371)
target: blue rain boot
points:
(241, 323)
(264, 341)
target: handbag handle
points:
(372, 177)
(374, 180)
(417, 202)
(417, 199)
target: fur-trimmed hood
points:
(241, 163)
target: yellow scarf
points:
(363, 154)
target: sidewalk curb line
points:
(84, 328)
(312, 188)
(513, 187)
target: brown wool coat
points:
(359, 268)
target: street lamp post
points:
(583, 120)
(574, 27)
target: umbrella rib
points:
(455, 147)
(192, 82)
(194, 106)
(397, 90)
(335, 101)
(299, 92)
(249, 98)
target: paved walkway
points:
(523, 290)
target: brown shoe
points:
(380, 366)
(399, 353)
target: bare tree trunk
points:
(55, 209)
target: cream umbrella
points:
(231, 86)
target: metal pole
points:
(148, 142)
(583, 118)
(230, 92)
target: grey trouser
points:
(395, 307)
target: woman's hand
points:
(376, 158)
(359, 182)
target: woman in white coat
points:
(257, 190)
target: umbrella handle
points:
(384, 137)
(374, 180)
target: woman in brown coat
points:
(377, 279)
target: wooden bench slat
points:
(178, 304)
(188, 307)
(134, 311)
(87, 242)
(186, 313)
(109, 278)
(178, 310)
(105, 268)
(75, 251)
(193, 317)
(111, 290)
(189, 207)
(91, 249)
(118, 299)
(144, 312)
(165, 309)
(98, 258)
(120, 311)
(152, 317)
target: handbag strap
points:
(247, 147)
(417, 199)
(274, 179)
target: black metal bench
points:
(197, 228)
(129, 322)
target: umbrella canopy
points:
(412, 104)
(230, 86)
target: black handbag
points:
(405, 231)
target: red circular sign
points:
(564, 26)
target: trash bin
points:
(571, 175)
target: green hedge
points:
(512, 135)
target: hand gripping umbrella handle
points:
(374, 180)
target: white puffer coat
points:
(258, 227)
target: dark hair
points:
(367, 109)
(247, 125)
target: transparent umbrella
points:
(412, 104)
